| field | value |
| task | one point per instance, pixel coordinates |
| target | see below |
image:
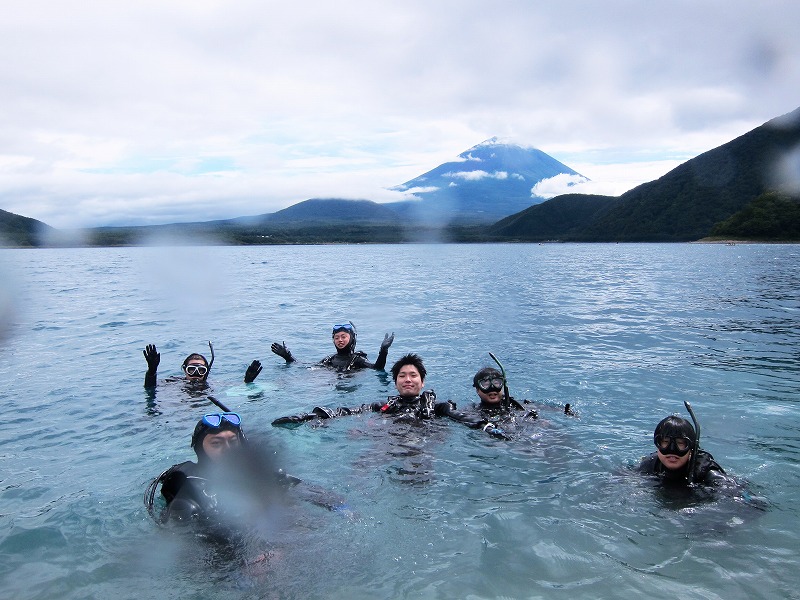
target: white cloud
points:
(476, 175)
(606, 180)
(563, 183)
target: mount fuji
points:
(486, 183)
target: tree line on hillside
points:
(770, 217)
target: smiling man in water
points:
(411, 402)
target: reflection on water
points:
(624, 333)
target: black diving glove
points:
(152, 357)
(252, 371)
(387, 341)
(293, 420)
(282, 351)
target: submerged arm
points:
(318, 412)
(448, 409)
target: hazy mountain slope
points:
(684, 204)
(16, 230)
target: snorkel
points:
(696, 441)
(507, 398)
(210, 347)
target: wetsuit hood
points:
(201, 430)
(675, 427)
(350, 329)
(195, 356)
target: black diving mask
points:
(490, 384)
(678, 446)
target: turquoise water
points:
(625, 333)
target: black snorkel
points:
(219, 404)
(693, 461)
(211, 398)
(507, 398)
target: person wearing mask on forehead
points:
(186, 487)
(346, 357)
(228, 477)
(678, 460)
(195, 367)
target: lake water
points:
(625, 333)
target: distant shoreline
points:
(207, 242)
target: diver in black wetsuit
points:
(346, 357)
(677, 460)
(496, 411)
(411, 404)
(195, 367)
(186, 486)
(227, 480)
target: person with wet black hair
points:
(496, 411)
(412, 403)
(196, 367)
(677, 459)
(346, 358)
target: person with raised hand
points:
(196, 367)
(346, 357)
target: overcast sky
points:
(140, 111)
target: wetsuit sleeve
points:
(318, 412)
(360, 362)
(172, 484)
(178, 492)
(709, 472)
(292, 421)
(182, 510)
(447, 409)
(320, 496)
(380, 363)
(718, 478)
